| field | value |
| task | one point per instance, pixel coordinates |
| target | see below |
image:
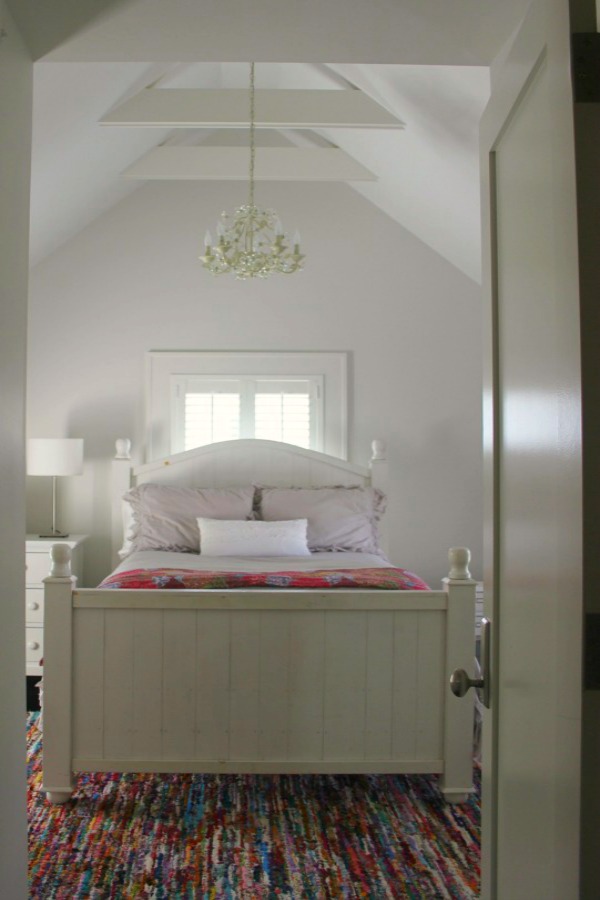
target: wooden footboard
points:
(342, 681)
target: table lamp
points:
(55, 457)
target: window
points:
(276, 409)
(205, 413)
(199, 397)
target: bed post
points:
(379, 479)
(456, 782)
(120, 482)
(58, 627)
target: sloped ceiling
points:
(420, 32)
(436, 83)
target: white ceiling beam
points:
(229, 108)
(232, 164)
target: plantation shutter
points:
(282, 412)
(211, 417)
(206, 410)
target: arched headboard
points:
(241, 462)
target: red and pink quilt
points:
(387, 579)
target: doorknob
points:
(460, 682)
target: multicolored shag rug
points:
(209, 837)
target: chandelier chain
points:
(252, 138)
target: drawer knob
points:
(33, 605)
(33, 645)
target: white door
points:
(533, 462)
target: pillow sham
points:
(339, 518)
(128, 528)
(164, 517)
(252, 538)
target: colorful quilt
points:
(386, 579)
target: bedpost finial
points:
(123, 448)
(378, 450)
(60, 554)
(459, 557)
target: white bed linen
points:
(166, 559)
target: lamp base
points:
(54, 534)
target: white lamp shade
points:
(55, 456)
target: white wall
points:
(15, 109)
(131, 282)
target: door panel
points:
(533, 514)
(528, 544)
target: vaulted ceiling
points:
(425, 63)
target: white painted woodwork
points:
(460, 711)
(120, 482)
(37, 566)
(531, 753)
(378, 467)
(212, 710)
(146, 715)
(88, 687)
(228, 459)
(378, 450)
(229, 108)
(459, 558)
(123, 448)
(231, 164)
(61, 560)
(34, 604)
(266, 681)
(257, 599)
(58, 678)
(34, 649)
(321, 695)
(163, 365)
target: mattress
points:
(165, 559)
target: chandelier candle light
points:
(251, 242)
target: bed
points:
(328, 661)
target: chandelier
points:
(251, 242)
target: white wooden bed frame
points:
(255, 681)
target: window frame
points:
(162, 365)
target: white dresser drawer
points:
(38, 563)
(34, 606)
(34, 646)
(38, 567)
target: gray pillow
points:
(339, 518)
(165, 518)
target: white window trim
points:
(161, 365)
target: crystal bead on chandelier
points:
(251, 242)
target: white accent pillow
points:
(339, 518)
(249, 538)
(162, 517)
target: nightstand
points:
(37, 567)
